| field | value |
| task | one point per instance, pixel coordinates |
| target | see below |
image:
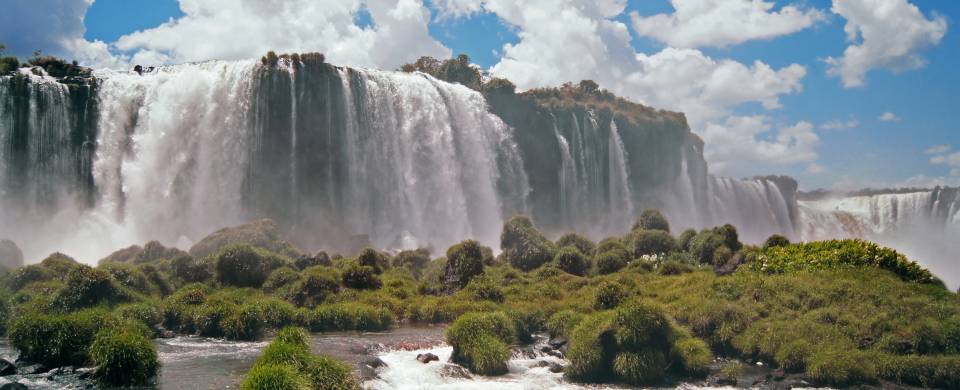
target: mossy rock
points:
(262, 233)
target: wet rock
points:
(13, 386)
(427, 358)
(369, 368)
(556, 354)
(556, 368)
(85, 374)
(557, 343)
(539, 363)
(34, 369)
(166, 334)
(454, 371)
(7, 368)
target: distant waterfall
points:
(621, 210)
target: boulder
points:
(557, 343)
(427, 358)
(7, 368)
(10, 255)
(454, 371)
(263, 233)
(556, 368)
(369, 368)
(13, 386)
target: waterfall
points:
(399, 159)
(621, 203)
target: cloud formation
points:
(236, 29)
(888, 34)
(742, 141)
(840, 125)
(721, 23)
(888, 117)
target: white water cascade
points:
(187, 149)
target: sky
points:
(839, 94)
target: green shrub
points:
(651, 242)
(146, 313)
(243, 265)
(326, 373)
(85, 287)
(608, 295)
(641, 325)
(187, 270)
(481, 342)
(704, 245)
(414, 260)
(280, 278)
(609, 262)
(55, 340)
(590, 349)
(464, 262)
(124, 357)
(841, 367)
(692, 356)
(350, 316)
(372, 258)
(8, 64)
(652, 219)
(318, 284)
(293, 335)
(60, 264)
(571, 261)
(643, 367)
(485, 288)
(731, 239)
(683, 241)
(840, 254)
(21, 277)
(246, 323)
(721, 256)
(274, 377)
(361, 277)
(561, 323)
(583, 244)
(523, 246)
(731, 371)
(793, 356)
(775, 241)
(672, 267)
(130, 277)
(210, 318)
(304, 262)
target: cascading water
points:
(403, 159)
(621, 196)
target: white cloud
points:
(840, 125)
(457, 8)
(887, 34)
(952, 160)
(744, 141)
(888, 117)
(720, 23)
(938, 149)
(235, 29)
(815, 169)
(572, 40)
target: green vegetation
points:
(652, 219)
(481, 342)
(836, 313)
(124, 356)
(288, 364)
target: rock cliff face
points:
(338, 155)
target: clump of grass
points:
(840, 254)
(350, 316)
(481, 342)
(56, 340)
(288, 364)
(124, 356)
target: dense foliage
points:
(642, 308)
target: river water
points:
(197, 363)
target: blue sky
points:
(871, 152)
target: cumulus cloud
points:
(720, 23)
(55, 27)
(840, 125)
(235, 29)
(888, 117)
(887, 34)
(572, 40)
(938, 149)
(742, 141)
